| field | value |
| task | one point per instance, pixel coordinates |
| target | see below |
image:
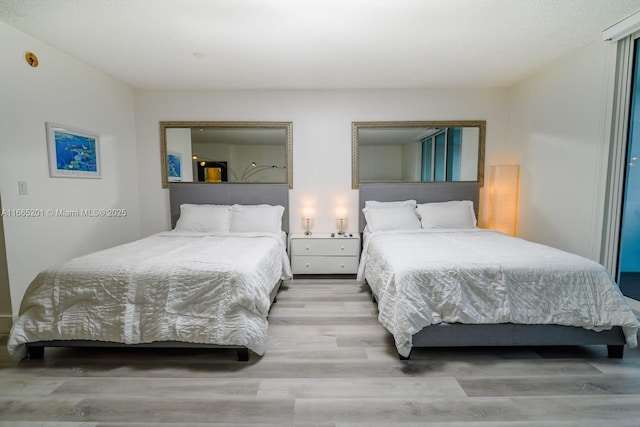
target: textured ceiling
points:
(291, 44)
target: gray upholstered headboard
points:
(229, 194)
(422, 192)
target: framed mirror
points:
(216, 152)
(418, 151)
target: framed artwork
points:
(174, 167)
(73, 153)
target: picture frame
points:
(174, 167)
(73, 153)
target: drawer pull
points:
(342, 248)
(307, 265)
(341, 265)
(306, 248)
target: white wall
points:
(469, 155)
(5, 295)
(268, 155)
(321, 136)
(558, 134)
(380, 162)
(65, 91)
(412, 161)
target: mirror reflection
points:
(216, 152)
(424, 151)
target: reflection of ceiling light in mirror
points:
(199, 55)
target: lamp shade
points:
(341, 213)
(503, 198)
(307, 212)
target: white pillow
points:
(454, 214)
(204, 218)
(394, 218)
(256, 218)
(376, 204)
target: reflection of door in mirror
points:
(213, 174)
(211, 171)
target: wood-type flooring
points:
(328, 363)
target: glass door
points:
(629, 255)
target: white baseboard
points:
(6, 320)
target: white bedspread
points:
(427, 277)
(195, 287)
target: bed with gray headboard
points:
(185, 268)
(463, 334)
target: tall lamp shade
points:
(503, 198)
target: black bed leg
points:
(243, 355)
(615, 351)
(35, 352)
(407, 357)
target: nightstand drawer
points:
(324, 265)
(338, 246)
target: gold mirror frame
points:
(356, 126)
(287, 126)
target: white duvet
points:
(188, 287)
(425, 277)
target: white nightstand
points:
(320, 253)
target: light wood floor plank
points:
(170, 409)
(158, 388)
(325, 320)
(346, 388)
(393, 411)
(561, 385)
(28, 387)
(556, 423)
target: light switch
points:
(22, 188)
